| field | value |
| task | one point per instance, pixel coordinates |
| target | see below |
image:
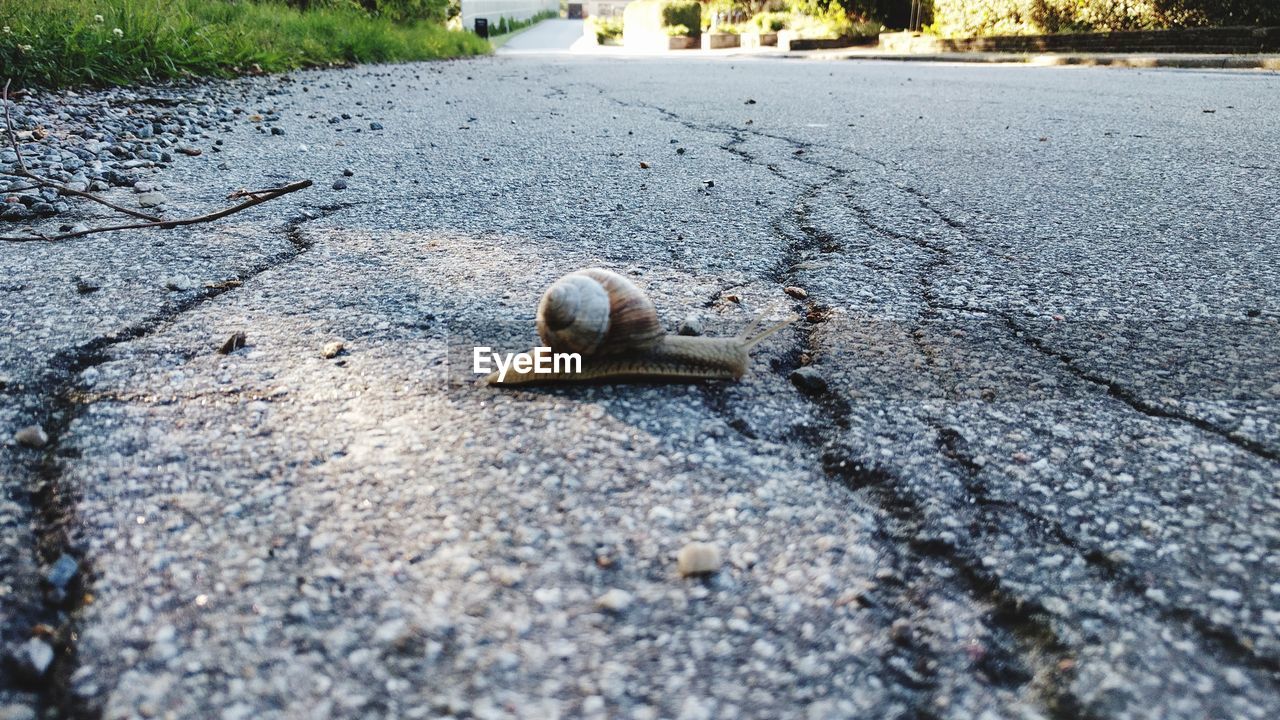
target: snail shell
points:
(597, 312)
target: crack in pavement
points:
(1029, 639)
(54, 502)
(1113, 387)
(1027, 625)
(1023, 633)
(1227, 641)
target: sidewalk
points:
(1131, 60)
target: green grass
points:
(55, 43)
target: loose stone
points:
(34, 658)
(809, 380)
(178, 283)
(32, 436)
(616, 600)
(691, 325)
(63, 572)
(151, 199)
(233, 343)
(698, 558)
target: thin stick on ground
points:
(23, 171)
(264, 196)
(255, 197)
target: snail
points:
(614, 327)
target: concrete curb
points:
(1125, 60)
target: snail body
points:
(614, 327)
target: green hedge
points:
(1007, 17)
(681, 12)
(652, 18)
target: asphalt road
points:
(1032, 472)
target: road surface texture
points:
(1020, 457)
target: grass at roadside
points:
(55, 43)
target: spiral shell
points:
(597, 312)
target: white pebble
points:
(698, 558)
(616, 600)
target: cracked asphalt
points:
(1039, 476)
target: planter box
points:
(651, 42)
(788, 41)
(756, 40)
(717, 41)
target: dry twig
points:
(256, 197)
(265, 195)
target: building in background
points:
(493, 10)
(604, 8)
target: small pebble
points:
(698, 558)
(798, 293)
(63, 572)
(233, 343)
(32, 436)
(375, 126)
(34, 658)
(691, 325)
(277, 131)
(178, 283)
(151, 199)
(340, 184)
(616, 600)
(332, 350)
(809, 380)
(644, 165)
(16, 711)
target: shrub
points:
(1007, 17)
(394, 10)
(682, 12)
(1218, 12)
(645, 21)
(771, 21)
(605, 28)
(402, 10)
